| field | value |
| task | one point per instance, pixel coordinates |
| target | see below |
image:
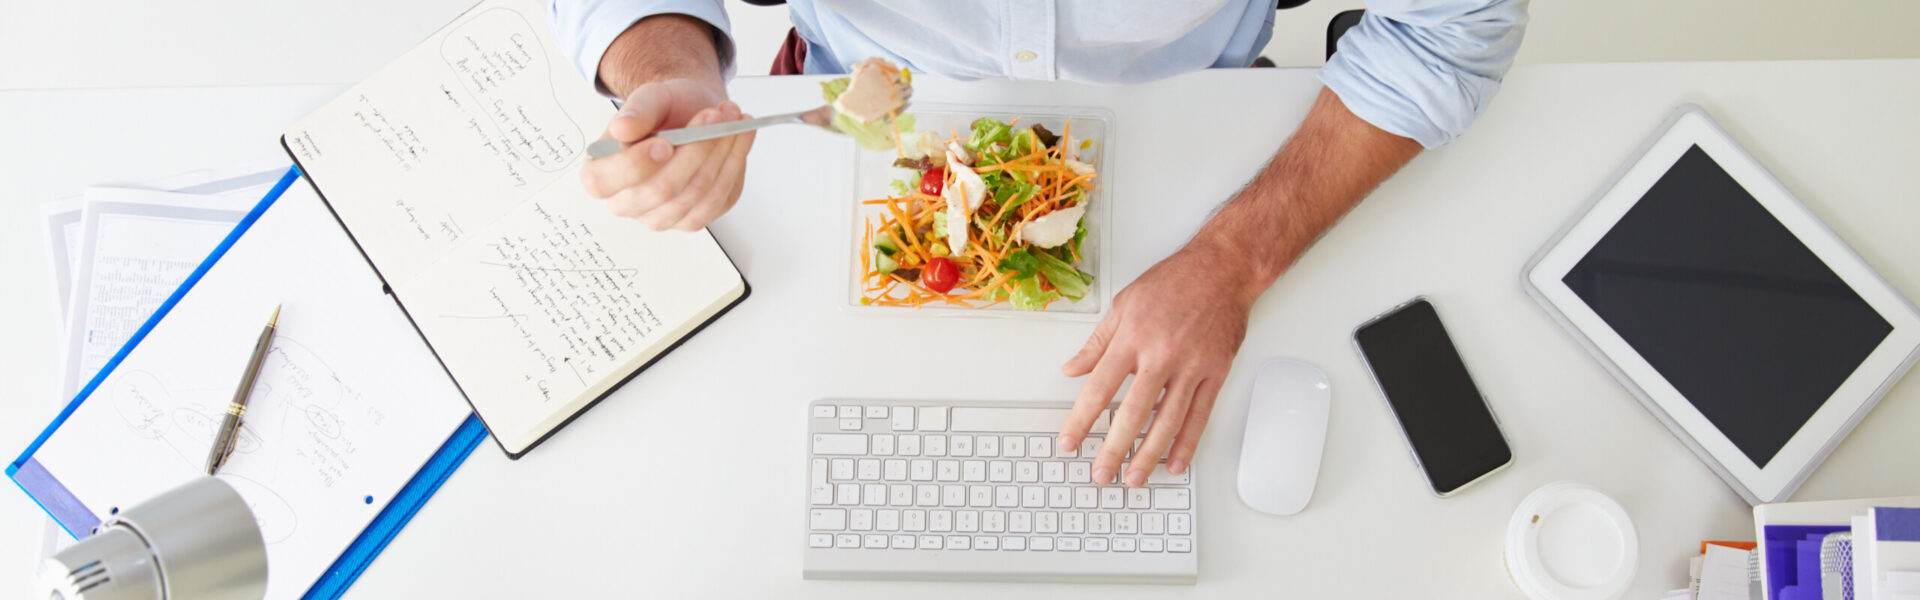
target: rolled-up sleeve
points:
(1424, 69)
(584, 28)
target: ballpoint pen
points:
(224, 440)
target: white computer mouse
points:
(1286, 428)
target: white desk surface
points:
(688, 483)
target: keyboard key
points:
(821, 491)
(882, 444)
(993, 521)
(1123, 544)
(1013, 446)
(823, 411)
(1095, 544)
(1153, 523)
(1179, 545)
(896, 469)
(1006, 496)
(922, 470)
(849, 412)
(1100, 523)
(974, 470)
(926, 494)
(980, 496)
(1171, 499)
(934, 445)
(1086, 497)
(849, 495)
(900, 494)
(1126, 523)
(1040, 543)
(933, 418)
(907, 444)
(953, 495)
(876, 540)
(1000, 471)
(959, 542)
(1073, 522)
(903, 418)
(1112, 498)
(1026, 471)
(869, 469)
(840, 444)
(1016, 420)
(913, 520)
(940, 521)
(1160, 476)
(986, 446)
(986, 542)
(1069, 544)
(947, 470)
(876, 412)
(1053, 472)
(1059, 496)
(827, 519)
(1046, 522)
(960, 445)
(1137, 499)
(930, 542)
(874, 494)
(1179, 524)
(852, 424)
(860, 519)
(1040, 446)
(1033, 496)
(1151, 544)
(966, 521)
(1013, 542)
(1079, 472)
(886, 519)
(1090, 447)
(904, 542)
(1020, 521)
(846, 540)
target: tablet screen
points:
(1731, 309)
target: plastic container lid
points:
(1568, 541)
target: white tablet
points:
(1740, 321)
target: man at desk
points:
(1412, 74)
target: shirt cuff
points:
(1386, 73)
(584, 30)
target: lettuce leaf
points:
(1070, 282)
(1028, 295)
(1021, 264)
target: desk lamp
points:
(195, 541)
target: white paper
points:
(61, 231)
(348, 406)
(1723, 574)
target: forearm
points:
(1332, 161)
(659, 48)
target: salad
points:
(992, 215)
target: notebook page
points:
(449, 137)
(340, 420)
(558, 302)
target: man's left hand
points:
(1176, 330)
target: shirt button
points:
(1025, 56)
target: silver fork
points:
(821, 117)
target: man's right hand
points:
(663, 186)
(671, 74)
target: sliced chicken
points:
(1054, 228)
(874, 90)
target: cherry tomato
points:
(932, 182)
(940, 275)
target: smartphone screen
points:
(1453, 433)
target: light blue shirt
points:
(1416, 68)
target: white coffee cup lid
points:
(1568, 541)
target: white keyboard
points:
(979, 490)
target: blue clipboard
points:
(47, 491)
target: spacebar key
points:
(1016, 420)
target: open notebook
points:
(456, 170)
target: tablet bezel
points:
(1687, 127)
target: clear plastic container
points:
(873, 171)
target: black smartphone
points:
(1455, 437)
